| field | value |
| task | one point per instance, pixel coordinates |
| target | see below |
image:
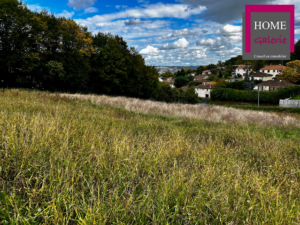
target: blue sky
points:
(171, 32)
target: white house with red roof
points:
(242, 69)
(272, 69)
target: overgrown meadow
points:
(72, 161)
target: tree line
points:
(52, 53)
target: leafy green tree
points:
(168, 74)
(181, 81)
(199, 70)
(220, 75)
(292, 72)
(296, 55)
(210, 66)
(213, 77)
(190, 96)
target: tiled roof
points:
(205, 86)
(200, 77)
(260, 74)
(244, 67)
(276, 83)
(206, 71)
(274, 67)
(185, 87)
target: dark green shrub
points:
(229, 94)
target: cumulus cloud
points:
(223, 11)
(91, 10)
(65, 14)
(231, 33)
(230, 30)
(81, 4)
(219, 45)
(181, 43)
(179, 33)
(150, 50)
(158, 10)
(135, 22)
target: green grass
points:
(297, 97)
(71, 162)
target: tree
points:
(199, 70)
(213, 77)
(257, 64)
(292, 72)
(181, 73)
(168, 74)
(296, 54)
(248, 84)
(210, 66)
(220, 63)
(220, 75)
(181, 81)
(190, 96)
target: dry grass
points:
(71, 162)
(215, 114)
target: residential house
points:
(160, 79)
(204, 90)
(185, 87)
(169, 78)
(170, 82)
(200, 78)
(206, 72)
(272, 85)
(192, 74)
(262, 76)
(275, 70)
(242, 69)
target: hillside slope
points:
(69, 161)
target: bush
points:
(181, 81)
(228, 94)
(194, 83)
(238, 85)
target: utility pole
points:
(258, 95)
(2, 85)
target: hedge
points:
(238, 84)
(228, 94)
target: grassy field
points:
(104, 160)
(297, 97)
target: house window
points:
(274, 71)
(268, 71)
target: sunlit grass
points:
(85, 162)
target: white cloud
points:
(81, 4)
(121, 6)
(150, 50)
(158, 10)
(135, 22)
(37, 7)
(181, 43)
(65, 14)
(91, 10)
(230, 30)
(297, 32)
(179, 33)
